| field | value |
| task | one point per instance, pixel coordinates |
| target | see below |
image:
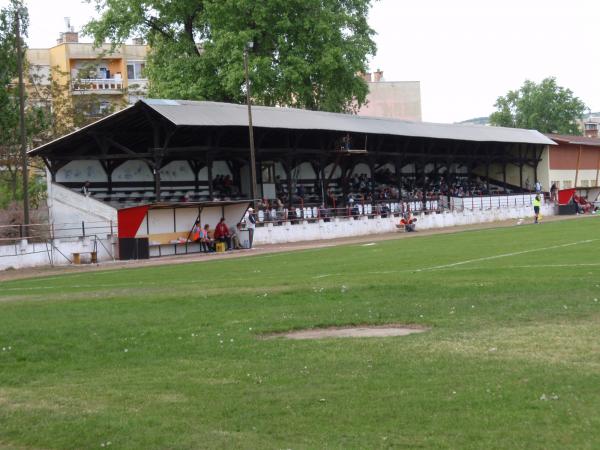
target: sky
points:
(465, 53)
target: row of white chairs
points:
(368, 209)
(474, 203)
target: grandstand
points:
(166, 150)
(187, 154)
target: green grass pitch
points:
(170, 356)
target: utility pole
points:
(248, 46)
(22, 118)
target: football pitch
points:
(173, 356)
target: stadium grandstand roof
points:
(186, 113)
(193, 113)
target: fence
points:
(37, 244)
(40, 244)
(489, 202)
(312, 212)
(38, 232)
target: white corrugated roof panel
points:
(194, 113)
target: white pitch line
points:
(534, 266)
(504, 255)
(444, 266)
(82, 286)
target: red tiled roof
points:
(576, 140)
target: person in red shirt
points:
(222, 233)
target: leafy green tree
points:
(50, 111)
(545, 107)
(306, 53)
(10, 159)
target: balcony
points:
(97, 86)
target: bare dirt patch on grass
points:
(350, 332)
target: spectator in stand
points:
(385, 210)
(222, 233)
(538, 187)
(227, 185)
(323, 212)
(346, 142)
(85, 189)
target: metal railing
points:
(313, 212)
(40, 232)
(389, 208)
(19, 240)
(97, 84)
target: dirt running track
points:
(263, 249)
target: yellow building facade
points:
(115, 76)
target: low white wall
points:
(26, 254)
(340, 228)
(68, 207)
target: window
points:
(135, 70)
(566, 184)
(97, 109)
(585, 183)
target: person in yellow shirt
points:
(537, 203)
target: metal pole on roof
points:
(247, 47)
(18, 13)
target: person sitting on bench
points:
(208, 243)
(199, 235)
(409, 221)
(222, 233)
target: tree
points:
(10, 158)
(66, 112)
(306, 53)
(545, 107)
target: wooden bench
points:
(168, 238)
(77, 257)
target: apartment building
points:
(114, 76)
(392, 99)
